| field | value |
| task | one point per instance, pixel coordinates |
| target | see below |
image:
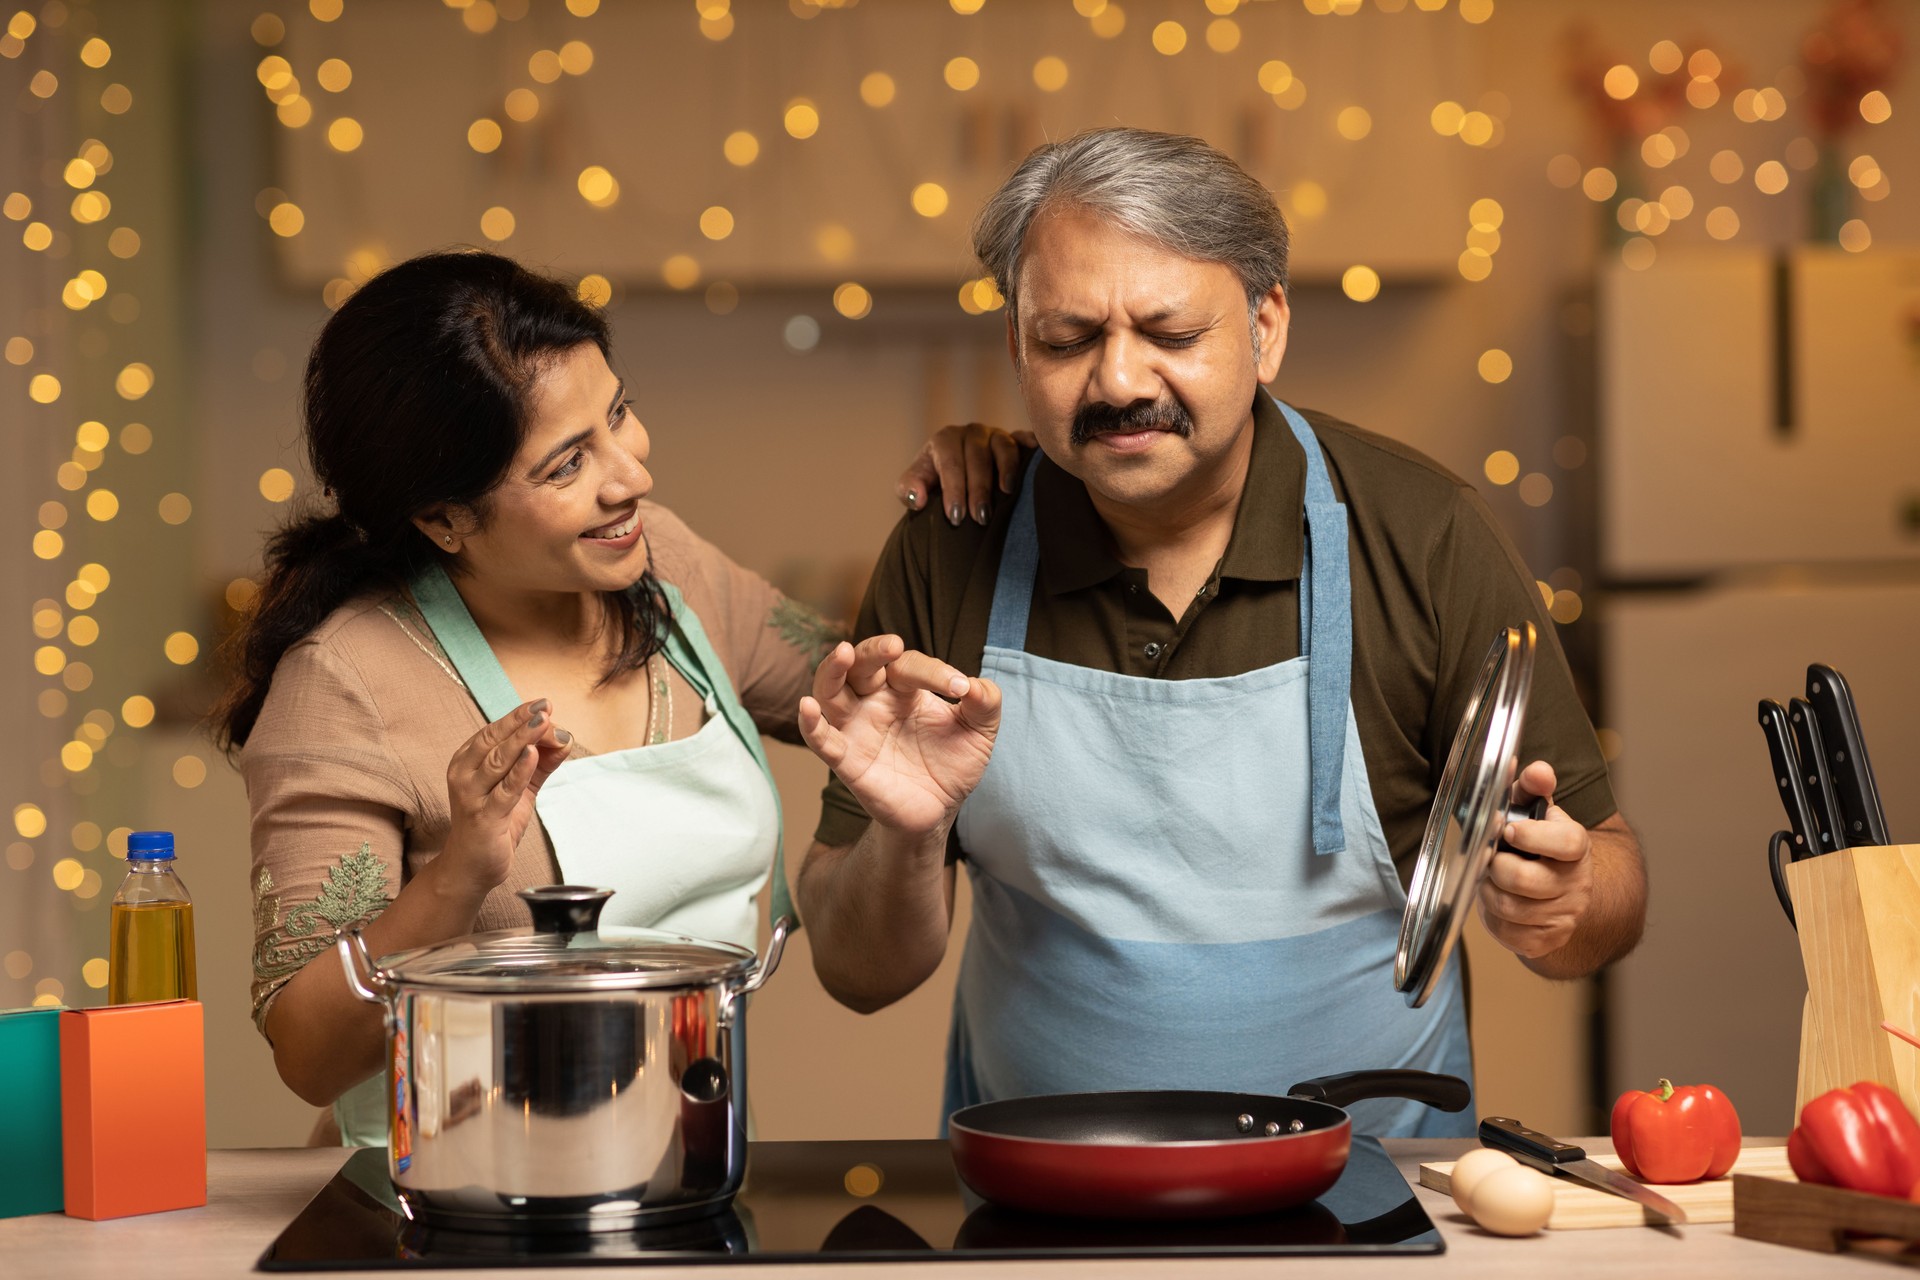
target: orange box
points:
(133, 1129)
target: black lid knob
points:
(565, 908)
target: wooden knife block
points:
(1858, 912)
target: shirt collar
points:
(1077, 552)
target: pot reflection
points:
(720, 1233)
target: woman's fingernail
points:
(562, 737)
(537, 719)
(539, 705)
(959, 686)
(953, 515)
(980, 514)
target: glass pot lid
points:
(566, 950)
(1471, 807)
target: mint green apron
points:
(686, 832)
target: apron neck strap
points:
(1326, 635)
(1019, 563)
(446, 613)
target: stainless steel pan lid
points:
(565, 950)
(1471, 807)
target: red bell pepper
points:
(1861, 1137)
(1676, 1135)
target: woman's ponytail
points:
(313, 566)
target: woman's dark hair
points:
(418, 393)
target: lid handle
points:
(565, 908)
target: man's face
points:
(1137, 364)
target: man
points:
(1221, 651)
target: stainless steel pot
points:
(565, 1076)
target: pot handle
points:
(762, 969)
(374, 987)
(1448, 1093)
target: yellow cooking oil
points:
(150, 929)
(150, 955)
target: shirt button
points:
(1153, 649)
(1133, 588)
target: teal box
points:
(30, 1172)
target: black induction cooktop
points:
(851, 1202)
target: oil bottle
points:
(150, 955)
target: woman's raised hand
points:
(908, 734)
(491, 782)
(960, 467)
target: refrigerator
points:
(1758, 442)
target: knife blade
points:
(1864, 821)
(1811, 751)
(1550, 1155)
(1787, 775)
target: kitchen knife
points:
(1858, 799)
(1550, 1155)
(1787, 774)
(1808, 747)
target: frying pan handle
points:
(1448, 1093)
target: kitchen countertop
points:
(253, 1194)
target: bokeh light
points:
(929, 199)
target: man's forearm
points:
(878, 913)
(1618, 913)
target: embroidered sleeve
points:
(285, 940)
(804, 629)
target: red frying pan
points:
(1174, 1154)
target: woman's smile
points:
(619, 535)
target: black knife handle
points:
(1846, 747)
(1515, 1138)
(1786, 774)
(1808, 749)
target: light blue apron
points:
(1167, 892)
(685, 832)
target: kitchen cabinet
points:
(1759, 410)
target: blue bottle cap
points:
(152, 846)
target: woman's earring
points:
(447, 538)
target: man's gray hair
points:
(1168, 189)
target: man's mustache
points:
(1142, 415)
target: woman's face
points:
(567, 516)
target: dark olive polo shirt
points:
(1433, 580)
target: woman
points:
(495, 598)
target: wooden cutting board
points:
(1576, 1207)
